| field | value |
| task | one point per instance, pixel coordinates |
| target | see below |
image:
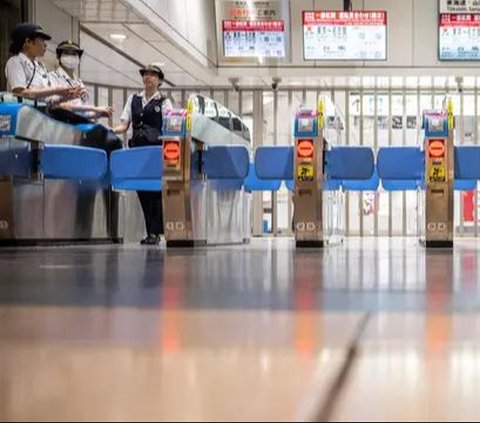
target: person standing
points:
(144, 111)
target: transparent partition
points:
(334, 228)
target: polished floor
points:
(371, 330)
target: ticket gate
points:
(439, 178)
(435, 170)
(201, 170)
(48, 181)
(317, 171)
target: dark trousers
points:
(152, 211)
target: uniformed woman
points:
(144, 112)
(64, 75)
(26, 76)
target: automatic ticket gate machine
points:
(200, 169)
(48, 181)
(308, 178)
(317, 171)
(204, 168)
(178, 172)
(436, 169)
(439, 179)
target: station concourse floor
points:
(372, 330)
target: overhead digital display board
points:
(253, 31)
(459, 6)
(254, 38)
(336, 35)
(459, 37)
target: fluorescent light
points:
(118, 37)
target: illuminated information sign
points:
(459, 37)
(339, 35)
(254, 38)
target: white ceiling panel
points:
(98, 10)
(143, 44)
(133, 45)
(101, 65)
(147, 33)
(139, 48)
(182, 79)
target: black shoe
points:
(145, 241)
(152, 240)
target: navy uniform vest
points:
(147, 122)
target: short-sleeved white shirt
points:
(59, 78)
(127, 111)
(21, 72)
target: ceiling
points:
(115, 62)
(143, 44)
(108, 11)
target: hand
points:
(69, 93)
(105, 111)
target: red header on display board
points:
(261, 26)
(367, 18)
(465, 20)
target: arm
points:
(122, 127)
(42, 93)
(96, 111)
(18, 81)
(126, 118)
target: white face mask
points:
(69, 61)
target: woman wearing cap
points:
(26, 76)
(144, 112)
(69, 55)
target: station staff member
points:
(145, 112)
(64, 75)
(26, 76)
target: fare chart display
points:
(336, 35)
(459, 37)
(259, 38)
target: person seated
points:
(69, 55)
(26, 75)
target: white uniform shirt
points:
(127, 111)
(59, 78)
(21, 72)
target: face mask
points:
(70, 62)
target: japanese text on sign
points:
(339, 35)
(254, 38)
(458, 37)
(459, 6)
